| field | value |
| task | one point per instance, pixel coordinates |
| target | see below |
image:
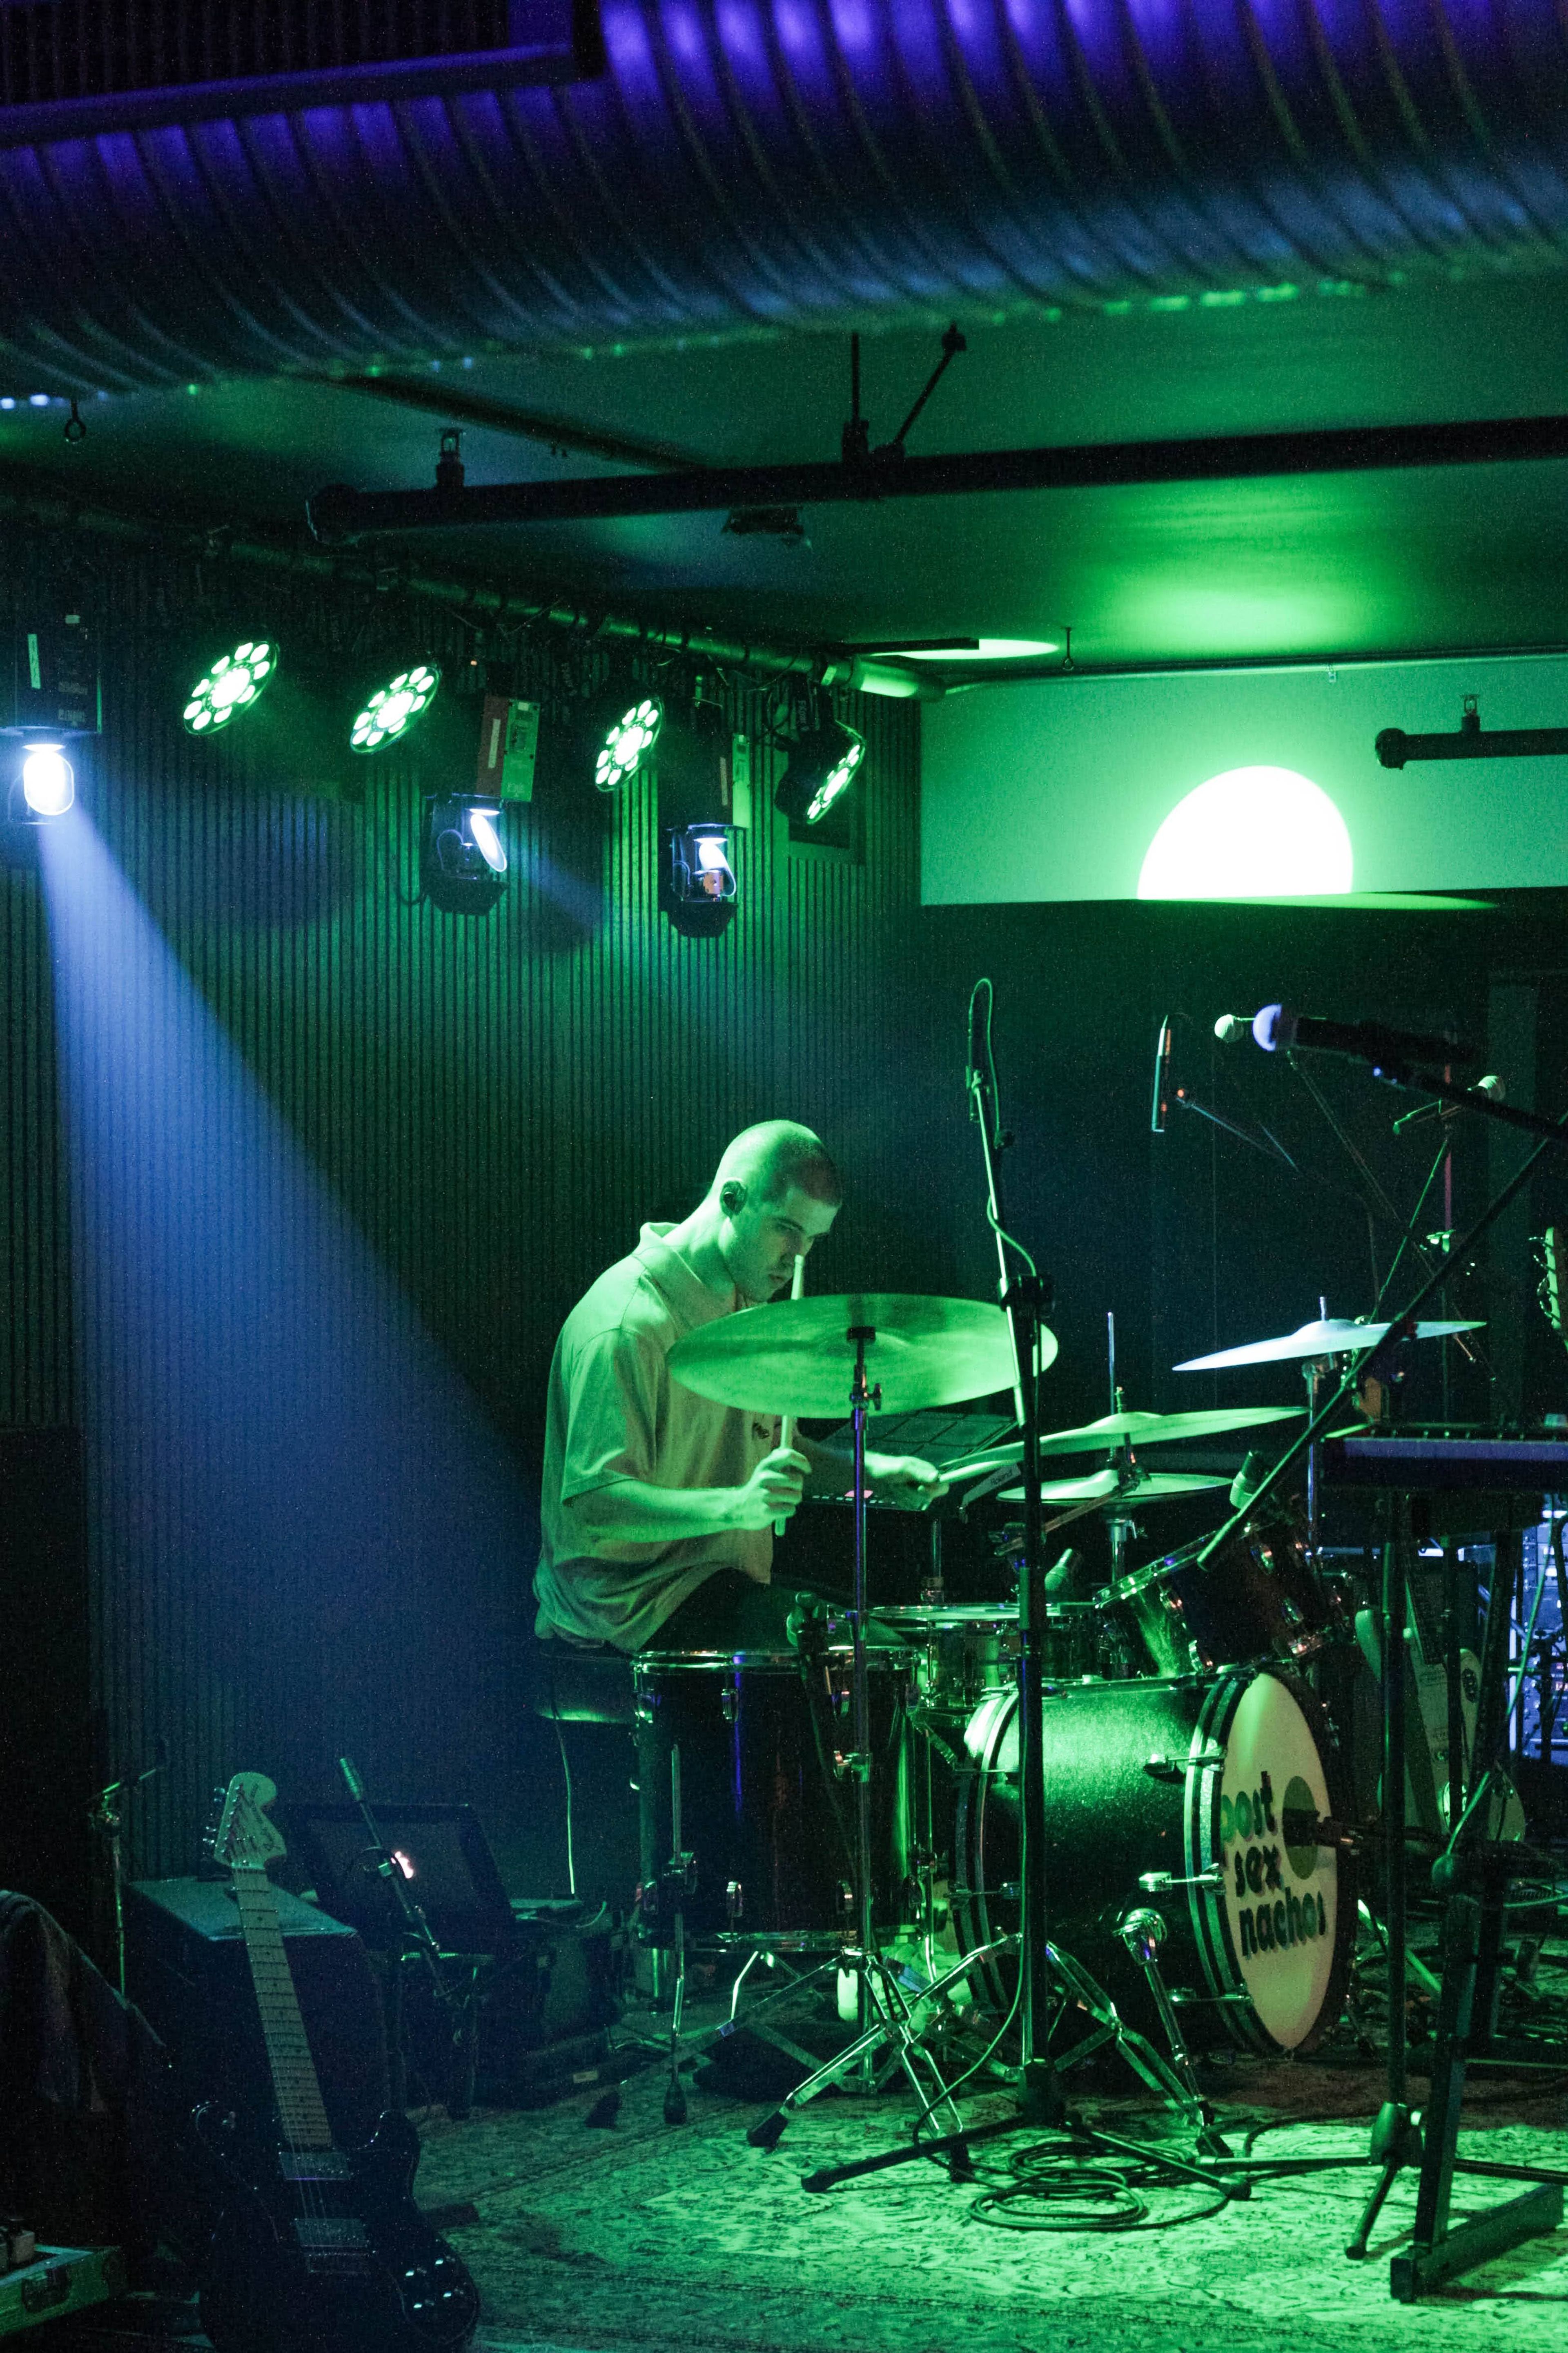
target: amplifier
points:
(188, 1972)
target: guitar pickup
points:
(314, 2164)
(329, 2234)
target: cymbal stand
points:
(883, 2016)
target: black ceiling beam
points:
(339, 512)
(525, 424)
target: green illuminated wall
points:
(1055, 789)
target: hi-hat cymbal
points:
(1109, 1486)
(1336, 1337)
(798, 1357)
(1130, 1430)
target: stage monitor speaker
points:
(50, 1749)
(187, 1970)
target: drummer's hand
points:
(905, 1479)
(773, 1491)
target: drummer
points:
(659, 1505)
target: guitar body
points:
(325, 2251)
(315, 2249)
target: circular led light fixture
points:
(48, 784)
(822, 764)
(233, 684)
(627, 743)
(393, 707)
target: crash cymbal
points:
(1336, 1337)
(1107, 1486)
(1115, 1430)
(797, 1357)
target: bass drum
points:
(1211, 1785)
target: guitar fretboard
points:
(295, 2083)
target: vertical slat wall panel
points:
(495, 1105)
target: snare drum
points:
(1258, 1598)
(768, 1820)
(1191, 1795)
(963, 1649)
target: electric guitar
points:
(315, 2249)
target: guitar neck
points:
(296, 2086)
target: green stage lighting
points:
(393, 707)
(822, 763)
(234, 684)
(626, 740)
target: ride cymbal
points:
(798, 1357)
(1116, 1429)
(1335, 1337)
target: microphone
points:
(1491, 1086)
(1248, 1479)
(352, 1779)
(1231, 1029)
(1162, 1103)
(1364, 1041)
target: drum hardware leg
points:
(1143, 1931)
(894, 2027)
(679, 1880)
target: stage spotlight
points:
(234, 682)
(463, 858)
(697, 889)
(395, 708)
(702, 864)
(47, 780)
(625, 735)
(822, 762)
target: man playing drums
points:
(659, 1505)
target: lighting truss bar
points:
(52, 510)
(1394, 747)
(339, 512)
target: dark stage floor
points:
(643, 2234)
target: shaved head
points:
(774, 1157)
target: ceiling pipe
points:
(524, 424)
(828, 666)
(758, 166)
(339, 513)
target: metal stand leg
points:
(1396, 2133)
(676, 1879)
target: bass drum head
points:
(1195, 1782)
(1283, 1931)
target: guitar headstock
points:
(245, 1838)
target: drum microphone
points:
(1275, 1026)
(1255, 1469)
(1231, 1029)
(1491, 1086)
(1066, 1581)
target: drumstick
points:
(786, 1427)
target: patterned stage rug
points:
(640, 2234)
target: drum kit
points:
(1189, 1767)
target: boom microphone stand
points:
(1026, 1296)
